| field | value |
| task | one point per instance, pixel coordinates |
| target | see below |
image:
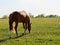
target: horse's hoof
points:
(16, 35)
(23, 33)
(10, 37)
(29, 32)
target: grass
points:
(45, 31)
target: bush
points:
(40, 16)
(4, 17)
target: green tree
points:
(52, 16)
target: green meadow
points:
(44, 31)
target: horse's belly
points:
(22, 20)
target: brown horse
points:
(17, 17)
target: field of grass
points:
(45, 31)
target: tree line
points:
(43, 16)
(38, 16)
(48, 16)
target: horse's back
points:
(24, 16)
(23, 13)
(21, 16)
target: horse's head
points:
(29, 27)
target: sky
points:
(34, 7)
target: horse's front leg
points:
(16, 24)
(25, 27)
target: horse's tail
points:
(29, 25)
(11, 23)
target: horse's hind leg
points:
(10, 27)
(16, 24)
